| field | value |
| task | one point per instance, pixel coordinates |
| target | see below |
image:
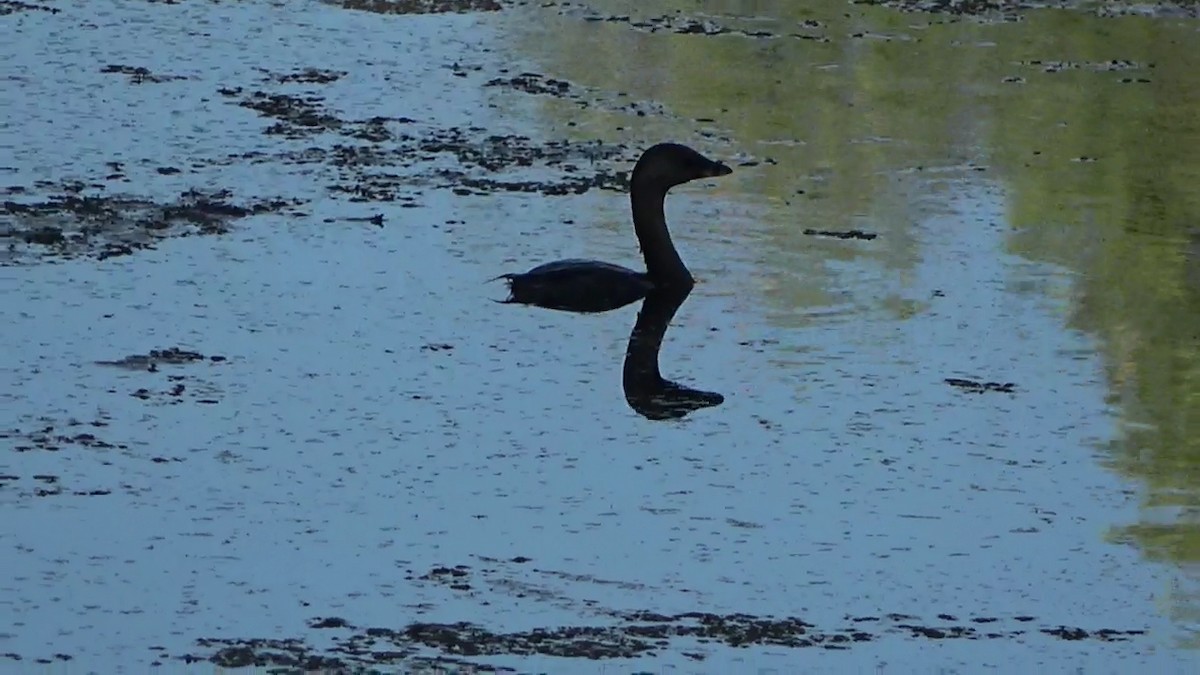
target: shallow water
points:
(373, 419)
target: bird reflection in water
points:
(646, 391)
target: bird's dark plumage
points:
(576, 285)
(593, 286)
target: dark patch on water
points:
(175, 388)
(298, 117)
(329, 622)
(17, 657)
(411, 161)
(140, 75)
(455, 578)
(841, 234)
(478, 159)
(1001, 10)
(71, 224)
(178, 389)
(437, 347)
(46, 434)
(1112, 65)
(976, 387)
(641, 633)
(541, 85)
(51, 436)
(685, 25)
(307, 76)
(533, 83)
(169, 356)
(758, 344)
(420, 6)
(390, 158)
(48, 486)
(1012, 10)
(248, 653)
(1160, 8)
(12, 6)
(376, 220)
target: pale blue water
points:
(841, 476)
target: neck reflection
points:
(646, 391)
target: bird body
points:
(585, 286)
(594, 286)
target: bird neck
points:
(663, 264)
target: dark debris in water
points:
(328, 622)
(261, 653)
(841, 234)
(47, 434)
(139, 74)
(532, 83)
(480, 162)
(376, 220)
(1161, 8)
(307, 76)
(541, 85)
(298, 117)
(686, 25)
(49, 485)
(52, 436)
(178, 389)
(386, 159)
(390, 159)
(616, 181)
(640, 633)
(1005, 9)
(976, 387)
(1111, 65)
(175, 388)
(457, 578)
(437, 347)
(71, 224)
(169, 356)
(12, 6)
(1012, 10)
(420, 6)
(496, 152)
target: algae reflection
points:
(646, 391)
(1083, 128)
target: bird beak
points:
(717, 169)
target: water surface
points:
(373, 420)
